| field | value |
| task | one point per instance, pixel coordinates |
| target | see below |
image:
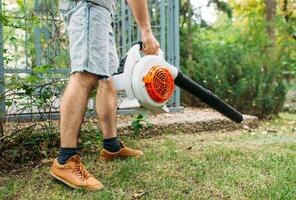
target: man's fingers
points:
(147, 49)
(153, 51)
(150, 45)
(150, 48)
(150, 51)
(156, 49)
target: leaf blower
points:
(149, 81)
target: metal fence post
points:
(2, 77)
(37, 38)
(162, 24)
(123, 27)
(176, 46)
(173, 42)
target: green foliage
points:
(234, 59)
(31, 143)
(222, 6)
(90, 138)
(40, 141)
(139, 122)
(38, 90)
(27, 41)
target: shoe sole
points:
(71, 185)
(118, 157)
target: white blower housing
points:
(148, 81)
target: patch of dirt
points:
(190, 120)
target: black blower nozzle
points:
(208, 97)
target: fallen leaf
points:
(246, 127)
(270, 130)
(138, 195)
(189, 148)
(46, 161)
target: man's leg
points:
(67, 167)
(73, 106)
(106, 105)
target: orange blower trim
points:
(159, 84)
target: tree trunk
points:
(270, 13)
(189, 38)
(270, 8)
(285, 10)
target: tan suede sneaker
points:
(124, 152)
(74, 174)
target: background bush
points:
(236, 61)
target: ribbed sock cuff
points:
(65, 154)
(111, 144)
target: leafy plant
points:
(140, 122)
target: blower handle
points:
(208, 97)
(141, 45)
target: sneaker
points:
(74, 174)
(124, 152)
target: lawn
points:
(242, 164)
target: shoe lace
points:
(81, 172)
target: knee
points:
(107, 85)
(85, 79)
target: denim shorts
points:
(91, 39)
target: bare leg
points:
(73, 106)
(106, 104)
(106, 108)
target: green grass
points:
(256, 164)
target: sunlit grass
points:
(243, 164)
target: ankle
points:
(66, 153)
(112, 144)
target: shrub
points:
(237, 66)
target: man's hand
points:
(140, 11)
(150, 44)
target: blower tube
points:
(208, 97)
